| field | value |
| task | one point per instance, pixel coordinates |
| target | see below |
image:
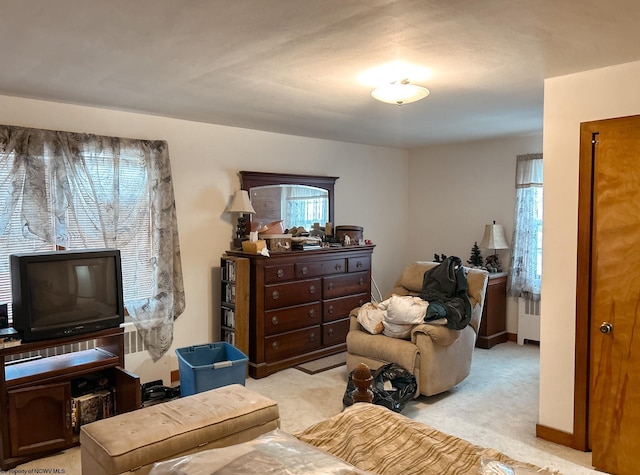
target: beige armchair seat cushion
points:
(439, 357)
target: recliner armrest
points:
(439, 334)
(354, 324)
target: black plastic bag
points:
(403, 382)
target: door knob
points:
(606, 327)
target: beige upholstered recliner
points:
(439, 357)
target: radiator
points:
(132, 340)
(528, 321)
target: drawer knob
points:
(330, 308)
(312, 312)
(361, 302)
(275, 295)
(312, 336)
(358, 265)
(312, 289)
(330, 332)
(361, 281)
(330, 285)
(275, 320)
(280, 273)
(275, 345)
(305, 270)
(338, 266)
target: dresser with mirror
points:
(299, 301)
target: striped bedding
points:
(376, 439)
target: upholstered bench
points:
(132, 442)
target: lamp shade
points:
(494, 237)
(241, 203)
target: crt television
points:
(64, 293)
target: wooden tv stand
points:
(35, 395)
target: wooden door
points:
(40, 419)
(614, 331)
(128, 394)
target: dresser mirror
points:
(297, 200)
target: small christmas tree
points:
(476, 258)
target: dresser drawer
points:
(292, 318)
(320, 267)
(278, 273)
(357, 264)
(335, 333)
(348, 284)
(292, 293)
(292, 343)
(336, 309)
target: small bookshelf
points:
(234, 302)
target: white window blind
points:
(79, 226)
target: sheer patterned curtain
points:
(525, 269)
(83, 191)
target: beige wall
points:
(456, 189)
(568, 101)
(205, 159)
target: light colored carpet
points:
(496, 406)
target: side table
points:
(493, 327)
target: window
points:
(538, 226)
(78, 226)
(525, 272)
(79, 191)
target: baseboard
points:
(557, 437)
(175, 376)
(512, 337)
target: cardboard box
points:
(254, 247)
(278, 242)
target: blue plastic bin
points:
(210, 366)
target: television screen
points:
(65, 293)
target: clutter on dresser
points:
(254, 245)
(278, 242)
(350, 235)
(274, 227)
(306, 243)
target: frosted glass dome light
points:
(400, 92)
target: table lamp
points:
(241, 204)
(494, 239)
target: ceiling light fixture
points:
(400, 92)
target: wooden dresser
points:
(493, 326)
(300, 303)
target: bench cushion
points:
(135, 440)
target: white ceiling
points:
(292, 66)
